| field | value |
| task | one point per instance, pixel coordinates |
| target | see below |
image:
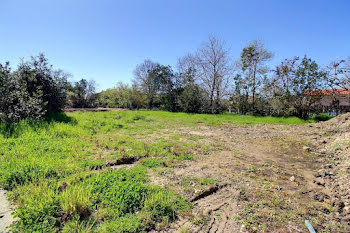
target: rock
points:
(306, 148)
(324, 174)
(347, 209)
(292, 178)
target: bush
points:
(31, 91)
(321, 117)
(192, 99)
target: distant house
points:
(333, 100)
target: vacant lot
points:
(128, 171)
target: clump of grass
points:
(129, 223)
(38, 208)
(152, 163)
(162, 206)
(79, 226)
(76, 200)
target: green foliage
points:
(76, 200)
(129, 223)
(31, 91)
(161, 206)
(37, 208)
(82, 94)
(192, 99)
(152, 162)
(321, 117)
(123, 196)
(13, 174)
(78, 226)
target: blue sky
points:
(104, 40)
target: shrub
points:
(192, 99)
(31, 91)
(321, 117)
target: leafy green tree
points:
(83, 94)
(168, 86)
(253, 66)
(122, 96)
(191, 100)
(307, 82)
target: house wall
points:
(344, 100)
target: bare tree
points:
(187, 69)
(214, 69)
(145, 80)
(338, 74)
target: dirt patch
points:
(332, 142)
(268, 174)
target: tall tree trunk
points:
(254, 88)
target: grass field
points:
(60, 173)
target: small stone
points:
(306, 148)
(292, 178)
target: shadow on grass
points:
(16, 129)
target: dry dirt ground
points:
(263, 178)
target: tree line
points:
(211, 81)
(208, 80)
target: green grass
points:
(49, 168)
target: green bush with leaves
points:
(31, 91)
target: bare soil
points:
(267, 179)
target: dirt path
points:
(5, 212)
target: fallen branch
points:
(211, 190)
(119, 161)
